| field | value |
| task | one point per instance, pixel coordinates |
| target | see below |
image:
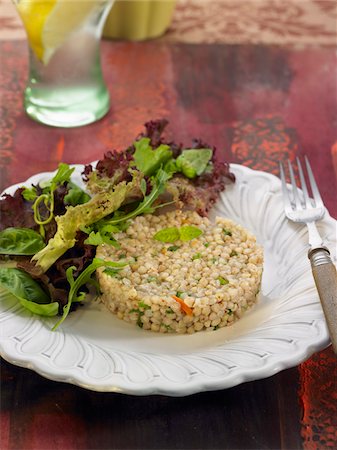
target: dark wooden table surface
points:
(259, 104)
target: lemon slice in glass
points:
(49, 23)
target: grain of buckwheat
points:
(217, 275)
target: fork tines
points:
(301, 200)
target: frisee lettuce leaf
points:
(101, 205)
(145, 206)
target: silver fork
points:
(299, 207)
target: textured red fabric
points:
(258, 105)
(318, 394)
(210, 91)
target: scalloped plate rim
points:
(163, 387)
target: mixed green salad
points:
(49, 232)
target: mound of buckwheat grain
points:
(185, 274)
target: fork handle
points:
(325, 277)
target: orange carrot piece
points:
(187, 310)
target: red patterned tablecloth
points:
(280, 22)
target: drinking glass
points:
(65, 86)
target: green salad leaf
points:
(101, 237)
(146, 205)
(76, 195)
(45, 309)
(196, 256)
(173, 248)
(20, 241)
(85, 277)
(20, 284)
(173, 234)
(170, 234)
(223, 281)
(62, 176)
(149, 160)
(189, 232)
(29, 194)
(193, 162)
(99, 206)
(27, 291)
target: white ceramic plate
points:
(97, 351)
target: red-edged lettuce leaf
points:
(198, 193)
(16, 212)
